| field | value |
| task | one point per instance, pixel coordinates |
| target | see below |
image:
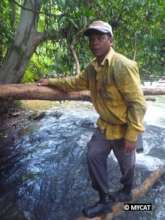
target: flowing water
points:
(43, 172)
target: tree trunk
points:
(34, 92)
(25, 43)
(138, 192)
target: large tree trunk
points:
(24, 44)
(34, 92)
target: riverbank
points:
(19, 116)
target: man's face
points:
(99, 43)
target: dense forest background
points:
(44, 37)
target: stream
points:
(43, 173)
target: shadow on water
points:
(44, 173)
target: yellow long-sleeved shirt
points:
(115, 92)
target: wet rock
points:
(158, 151)
(87, 124)
(14, 114)
(37, 115)
(56, 114)
(28, 216)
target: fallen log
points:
(138, 192)
(34, 92)
(153, 90)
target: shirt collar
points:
(107, 59)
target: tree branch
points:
(135, 45)
(34, 92)
(49, 35)
(73, 51)
(76, 59)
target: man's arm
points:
(67, 84)
(128, 82)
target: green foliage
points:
(138, 25)
(41, 62)
(9, 17)
(5, 29)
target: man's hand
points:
(129, 146)
(42, 82)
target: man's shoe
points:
(98, 209)
(122, 195)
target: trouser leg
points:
(126, 162)
(98, 150)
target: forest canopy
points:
(44, 37)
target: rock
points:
(87, 124)
(37, 115)
(56, 114)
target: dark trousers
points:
(98, 151)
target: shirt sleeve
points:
(128, 82)
(73, 83)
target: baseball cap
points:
(100, 26)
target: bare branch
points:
(73, 51)
(76, 59)
(49, 35)
(34, 92)
(135, 45)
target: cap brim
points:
(89, 31)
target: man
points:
(114, 83)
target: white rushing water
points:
(155, 116)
